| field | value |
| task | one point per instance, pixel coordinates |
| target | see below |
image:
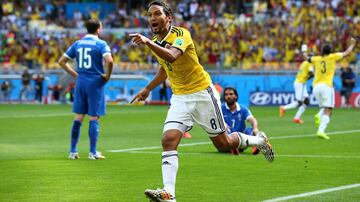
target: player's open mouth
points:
(154, 25)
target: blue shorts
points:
(89, 96)
(248, 131)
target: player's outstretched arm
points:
(109, 62)
(157, 80)
(351, 47)
(168, 53)
(63, 62)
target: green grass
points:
(34, 144)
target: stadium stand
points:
(252, 35)
(232, 37)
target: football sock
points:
(300, 111)
(170, 164)
(248, 140)
(321, 112)
(75, 134)
(93, 134)
(292, 105)
(325, 119)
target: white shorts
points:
(325, 95)
(300, 91)
(203, 107)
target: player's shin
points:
(75, 133)
(325, 119)
(170, 164)
(300, 111)
(292, 105)
(321, 112)
(93, 134)
(248, 140)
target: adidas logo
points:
(166, 163)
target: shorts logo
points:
(260, 98)
(178, 42)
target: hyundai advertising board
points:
(284, 98)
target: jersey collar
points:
(166, 35)
(91, 36)
(237, 107)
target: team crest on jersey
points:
(178, 42)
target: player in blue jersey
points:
(89, 53)
(235, 116)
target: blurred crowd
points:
(240, 34)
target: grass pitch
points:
(34, 144)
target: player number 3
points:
(323, 70)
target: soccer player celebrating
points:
(194, 97)
(91, 78)
(323, 83)
(301, 101)
(235, 116)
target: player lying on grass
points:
(235, 116)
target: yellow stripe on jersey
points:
(303, 73)
(186, 74)
(325, 68)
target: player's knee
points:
(299, 103)
(307, 101)
(94, 118)
(171, 139)
(79, 117)
(328, 111)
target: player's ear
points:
(169, 18)
(99, 30)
